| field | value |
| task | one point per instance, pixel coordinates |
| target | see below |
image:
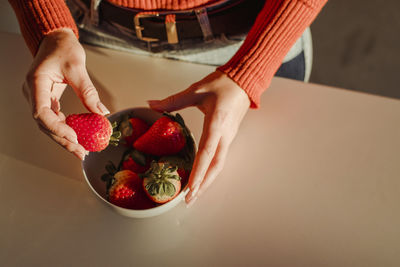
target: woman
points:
(173, 28)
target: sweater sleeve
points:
(279, 24)
(38, 18)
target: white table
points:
(312, 179)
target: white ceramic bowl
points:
(94, 167)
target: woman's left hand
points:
(224, 105)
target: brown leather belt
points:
(229, 18)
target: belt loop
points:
(170, 27)
(94, 12)
(202, 17)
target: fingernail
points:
(72, 139)
(103, 108)
(153, 102)
(195, 190)
(84, 154)
(155, 105)
(193, 193)
(195, 187)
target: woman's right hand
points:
(60, 61)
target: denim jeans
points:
(296, 65)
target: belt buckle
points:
(139, 28)
(170, 28)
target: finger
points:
(75, 149)
(216, 166)
(80, 81)
(42, 109)
(208, 144)
(40, 96)
(61, 116)
(54, 124)
(56, 92)
(40, 99)
(175, 102)
(43, 87)
(58, 89)
(55, 105)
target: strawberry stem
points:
(138, 157)
(159, 175)
(116, 134)
(109, 176)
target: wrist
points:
(239, 92)
(60, 34)
(63, 39)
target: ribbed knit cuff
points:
(276, 29)
(38, 18)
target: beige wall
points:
(8, 21)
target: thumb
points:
(80, 81)
(174, 102)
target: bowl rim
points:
(143, 212)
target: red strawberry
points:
(130, 164)
(165, 137)
(161, 182)
(136, 162)
(127, 191)
(94, 131)
(184, 174)
(132, 129)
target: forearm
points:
(37, 18)
(277, 27)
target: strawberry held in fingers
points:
(167, 136)
(161, 182)
(94, 131)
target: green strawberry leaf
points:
(105, 177)
(152, 188)
(125, 126)
(138, 157)
(110, 168)
(116, 136)
(114, 143)
(159, 176)
(108, 177)
(161, 191)
(179, 119)
(109, 183)
(114, 124)
(170, 189)
(179, 161)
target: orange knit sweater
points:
(277, 27)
